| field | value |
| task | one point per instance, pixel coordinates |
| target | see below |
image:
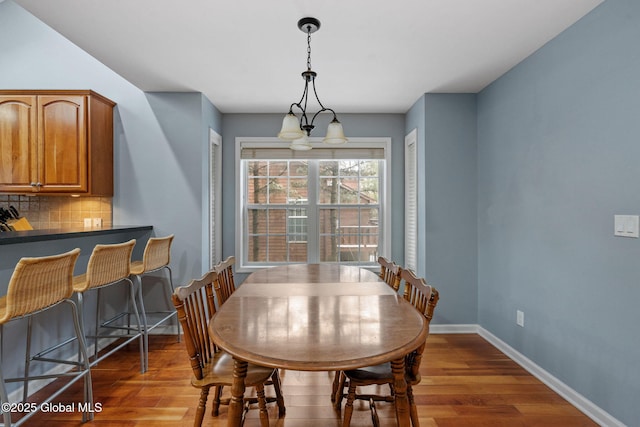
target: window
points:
(324, 205)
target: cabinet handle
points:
(38, 184)
(33, 184)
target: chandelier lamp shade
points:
(297, 129)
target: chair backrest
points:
(424, 298)
(195, 306)
(109, 263)
(157, 253)
(389, 272)
(38, 283)
(225, 285)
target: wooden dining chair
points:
(424, 298)
(389, 272)
(225, 285)
(211, 366)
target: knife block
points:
(20, 224)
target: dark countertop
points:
(11, 237)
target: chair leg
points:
(277, 386)
(137, 283)
(217, 394)
(27, 361)
(334, 386)
(82, 345)
(348, 407)
(262, 405)
(132, 289)
(374, 413)
(79, 304)
(202, 404)
(339, 393)
(6, 415)
(169, 303)
(413, 410)
(97, 331)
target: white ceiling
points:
(371, 57)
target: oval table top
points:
(316, 318)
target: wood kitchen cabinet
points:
(56, 142)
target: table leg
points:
(400, 392)
(237, 393)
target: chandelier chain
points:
(308, 48)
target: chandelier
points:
(298, 130)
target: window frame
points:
(383, 143)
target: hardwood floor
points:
(466, 382)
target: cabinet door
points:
(17, 143)
(62, 143)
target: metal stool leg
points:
(171, 290)
(132, 289)
(88, 383)
(6, 415)
(27, 361)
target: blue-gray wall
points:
(447, 201)
(160, 139)
(558, 152)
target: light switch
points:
(627, 225)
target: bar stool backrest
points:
(109, 263)
(157, 253)
(38, 283)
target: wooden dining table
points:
(317, 317)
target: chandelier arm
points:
(316, 94)
(305, 98)
(316, 114)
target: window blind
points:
(285, 153)
(411, 201)
(215, 200)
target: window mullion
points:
(313, 232)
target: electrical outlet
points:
(97, 222)
(520, 318)
(87, 223)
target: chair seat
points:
(378, 374)
(219, 371)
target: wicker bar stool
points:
(109, 265)
(156, 257)
(37, 285)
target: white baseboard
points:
(453, 329)
(583, 404)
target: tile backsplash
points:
(60, 211)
